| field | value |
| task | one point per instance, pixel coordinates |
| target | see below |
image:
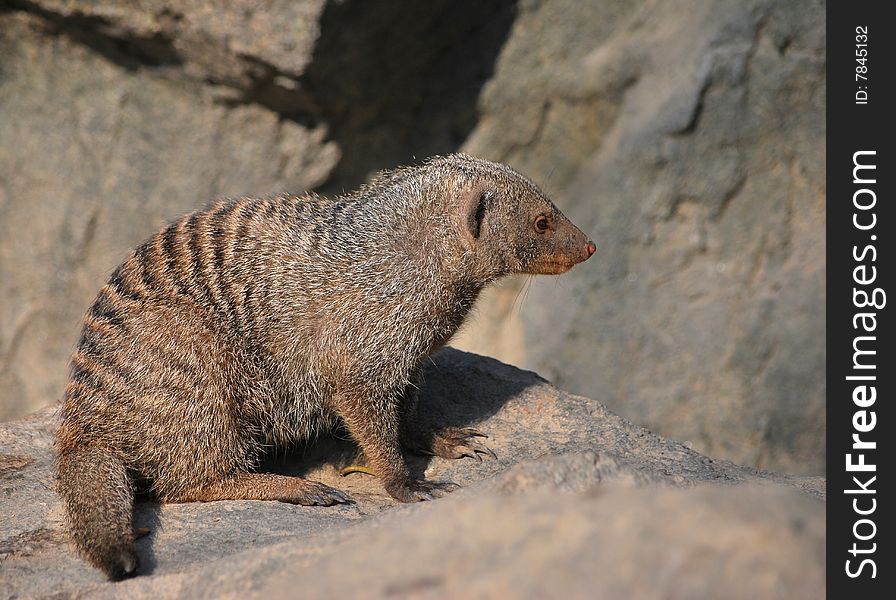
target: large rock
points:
(115, 117)
(96, 154)
(686, 137)
(579, 503)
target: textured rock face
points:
(689, 141)
(580, 503)
(686, 137)
(115, 117)
(95, 154)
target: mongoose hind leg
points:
(265, 486)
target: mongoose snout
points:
(255, 322)
(562, 245)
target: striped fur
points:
(256, 322)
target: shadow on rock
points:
(458, 390)
(147, 513)
(389, 98)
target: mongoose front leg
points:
(265, 486)
(447, 442)
(373, 422)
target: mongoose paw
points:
(458, 442)
(312, 493)
(416, 490)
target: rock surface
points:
(687, 137)
(579, 502)
(689, 140)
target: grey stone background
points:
(687, 137)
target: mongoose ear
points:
(477, 204)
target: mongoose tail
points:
(99, 500)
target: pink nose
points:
(590, 249)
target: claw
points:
(471, 432)
(469, 452)
(481, 449)
(450, 486)
(439, 489)
(356, 469)
(342, 497)
(313, 493)
(418, 491)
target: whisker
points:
(524, 292)
(517, 295)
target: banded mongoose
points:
(256, 322)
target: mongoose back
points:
(255, 322)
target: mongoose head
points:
(509, 224)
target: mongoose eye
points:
(541, 224)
